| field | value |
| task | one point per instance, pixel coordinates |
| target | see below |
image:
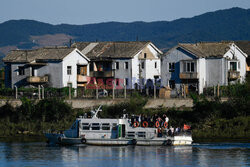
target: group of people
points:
(149, 121)
(156, 121)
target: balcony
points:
(188, 75)
(82, 78)
(102, 74)
(33, 79)
(233, 75)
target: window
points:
(141, 134)
(155, 64)
(172, 84)
(85, 126)
(21, 70)
(82, 70)
(105, 126)
(142, 65)
(190, 67)
(117, 65)
(95, 126)
(131, 134)
(117, 82)
(171, 67)
(126, 65)
(145, 55)
(126, 81)
(233, 66)
(69, 70)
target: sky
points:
(95, 11)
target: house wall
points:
(216, 72)
(7, 75)
(72, 60)
(240, 56)
(149, 70)
(201, 70)
(175, 55)
(16, 79)
(152, 58)
(54, 70)
(135, 71)
(123, 73)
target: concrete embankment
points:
(152, 103)
(88, 103)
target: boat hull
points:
(176, 140)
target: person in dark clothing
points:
(132, 120)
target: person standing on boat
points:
(132, 120)
(155, 118)
(172, 130)
(139, 119)
(165, 118)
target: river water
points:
(40, 154)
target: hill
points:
(229, 24)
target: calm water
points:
(39, 154)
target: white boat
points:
(99, 131)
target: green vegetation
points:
(33, 118)
(209, 118)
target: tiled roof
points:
(207, 49)
(244, 46)
(46, 53)
(104, 50)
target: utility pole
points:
(113, 89)
(96, 91)
(39, 92)
(154, 90)
(16, 92)
(125, 91)
(42, 91)
(70, 91)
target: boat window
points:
(141, 134)
(130, 134)
(105, 126)
(85, 126)
(95, 126)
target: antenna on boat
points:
(96, 111)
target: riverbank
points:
(208, 118)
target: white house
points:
(50, 66)
(135, 62)
(201, 65)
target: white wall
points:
(135, 70)
(149, 70)
(240, 56)
(72, 60)
(201, 69)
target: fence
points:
(84, 93)
(71, 93)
